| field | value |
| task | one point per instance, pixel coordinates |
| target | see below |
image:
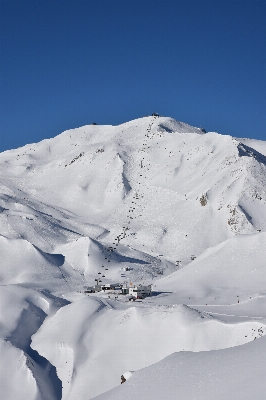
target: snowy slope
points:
(24, 373)
(128, 203)
(233, 268)
(136, 183)
(259, 145)
(112, 338)
(237, 373)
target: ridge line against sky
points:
(65, 64)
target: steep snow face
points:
(152, 201)
(258, 145)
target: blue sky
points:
(66, 64)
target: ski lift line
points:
(137, 197)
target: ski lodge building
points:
(137, 291)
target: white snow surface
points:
(152, 201)
(222, 374)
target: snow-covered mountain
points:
(151, 201)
